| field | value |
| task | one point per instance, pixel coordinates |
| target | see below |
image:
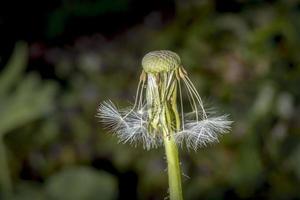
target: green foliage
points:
(23, 99)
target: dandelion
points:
(156, 118)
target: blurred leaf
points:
(27, 104)
(78, 183)
(29, 100)
(13, 70)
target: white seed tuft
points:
(197, 134)
(128, 125)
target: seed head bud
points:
(160, 61)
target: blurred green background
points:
(60, 59)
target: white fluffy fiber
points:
(130, 126)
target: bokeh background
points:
(59, 59)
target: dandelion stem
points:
(173, 168)
(171, 149)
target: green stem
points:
(164, 116)
(173, 168)
(171, 149)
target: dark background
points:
(60, 59)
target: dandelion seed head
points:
(156, 116)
